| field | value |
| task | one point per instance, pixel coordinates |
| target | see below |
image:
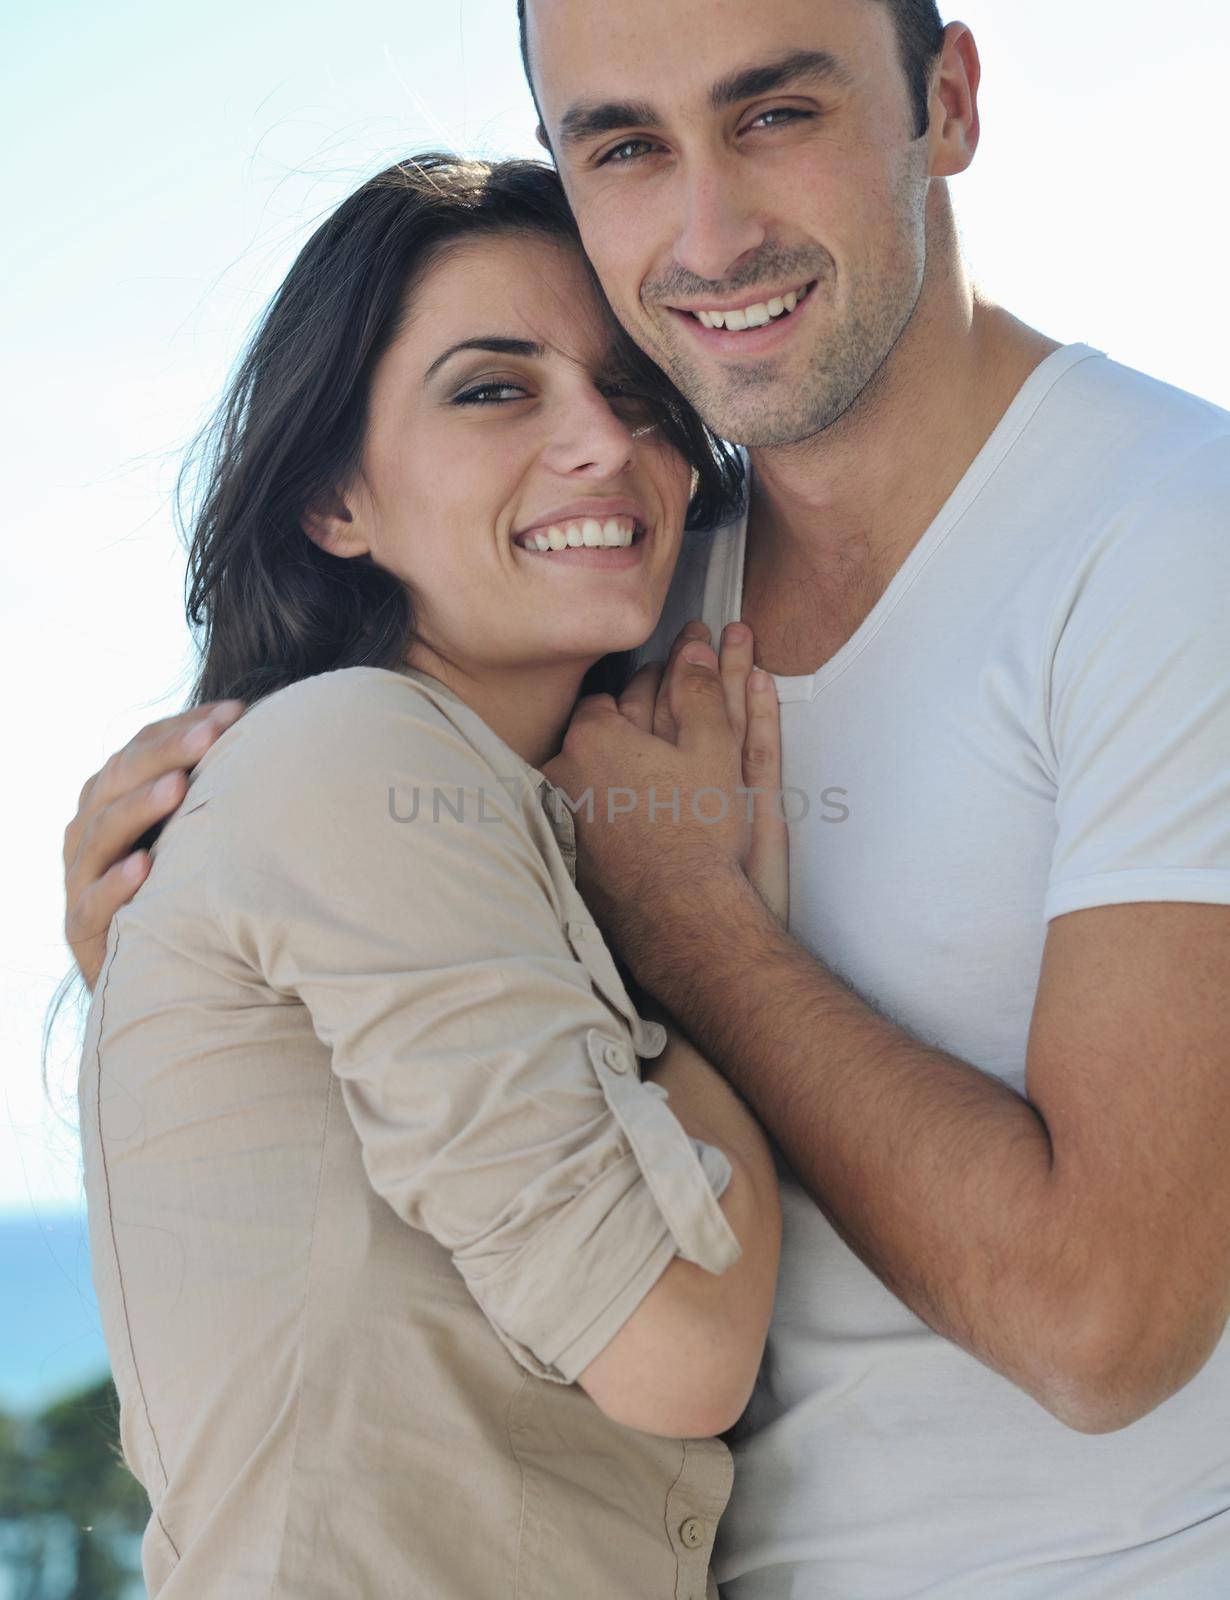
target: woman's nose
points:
(589, 439)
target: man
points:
(990, 575)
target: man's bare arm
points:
(1075, 1238)
(1078, 1240)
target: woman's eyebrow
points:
(491, 342)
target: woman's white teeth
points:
(615, 532)
(754, 316)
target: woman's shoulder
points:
(345, 783)
(345, 727)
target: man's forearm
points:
(939, 1176)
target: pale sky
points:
(160, 167)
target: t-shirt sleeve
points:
(496, 1097)
(1139, 702)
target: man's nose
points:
(720, 221)
(588, 439)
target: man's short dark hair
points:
(920, 36)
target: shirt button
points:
(614, 1057)
(692, 1532)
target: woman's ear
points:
(330, 523)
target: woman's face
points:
(494, 418)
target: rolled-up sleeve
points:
(367, 861)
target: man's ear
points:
(540, 133)
(954, 100)
(329, 523)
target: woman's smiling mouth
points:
(611, 542)
(613, 533)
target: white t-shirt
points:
(1034, 718)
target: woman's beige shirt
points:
(372, 1176)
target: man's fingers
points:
(588, 715)
(640, 696)
(735, 665)
(173, 744)
(169, 744)
(768, 863)
(664, 724)
(88, 919)
(592, 705)
(109, 832)
(762, 740)
(698, 700)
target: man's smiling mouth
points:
(754, 314)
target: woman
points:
(411, 1284)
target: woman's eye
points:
(628, 403)
(489, 394)
(627, 151)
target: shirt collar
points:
(559, 813)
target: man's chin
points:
(761, 419)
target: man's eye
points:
(489, 394)
(780, 115)
(627, 151)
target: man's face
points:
(724, 157)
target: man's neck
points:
(833, 518)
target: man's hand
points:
(134, 791)
(669, 767)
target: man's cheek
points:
(610, 241)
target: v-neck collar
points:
(806, 686)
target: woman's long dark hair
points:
(267, 605)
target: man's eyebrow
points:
(748, 82)
(590, 119)
(493, 342)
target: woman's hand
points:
(134, 792)
(752, 710)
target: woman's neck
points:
(527, 706)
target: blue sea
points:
(50, 1341)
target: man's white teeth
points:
(615, 532)
(752, 316)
